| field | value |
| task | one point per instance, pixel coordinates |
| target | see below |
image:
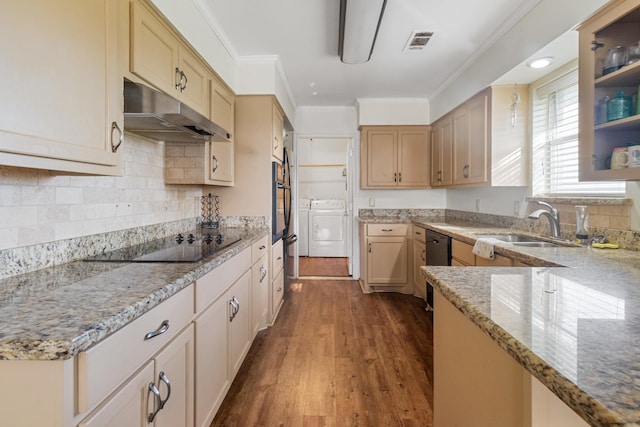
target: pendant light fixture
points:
(359, 24)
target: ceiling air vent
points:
(417, 41)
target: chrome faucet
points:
(552, 214)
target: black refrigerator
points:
(282, 217)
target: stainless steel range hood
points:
(153, 114)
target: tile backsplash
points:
(40, 206)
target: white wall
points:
(391, 111)
(543, 24)
(497, 201)
(245, 75)
(38, 206)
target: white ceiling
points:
(304, 35)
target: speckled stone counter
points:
(55, 313)
(574, 326)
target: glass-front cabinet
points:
(609, 69)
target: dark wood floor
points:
(319, 266)
(337, 357)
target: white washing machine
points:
(327, 228)
(303, 227)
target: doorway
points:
(323, 201)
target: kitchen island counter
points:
(57, 312)
(574, 326)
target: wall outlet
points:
(372, 202)
(477, 205)
(516, 208)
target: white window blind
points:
(555, 142)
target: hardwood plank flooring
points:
(337, 357)
(323, 266)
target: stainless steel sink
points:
(521, 240)
(511, 238)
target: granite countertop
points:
(55, 313)
(573, 325)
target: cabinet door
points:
(277, 134)
(413, 158)
(419, 259)
(174, 368)
(446, 152)
(220, 163)
(478, 154)
(381, 158)
(277, 294)
(259, 294)
(154, 50)
(128, 407)
(239, 306)
(211, 380)
(222, 106)
(195, 89)
(460, 146)
(387, 260)
(61, 94)
(436, 155)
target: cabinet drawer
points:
(258, 249)
(497, 261)
(387, 229)
(102, 368)
(419, 234)
(278, 291)
(277, 261)
(463, 252)
(213, 284)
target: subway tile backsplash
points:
(40, 206)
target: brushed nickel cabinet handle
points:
(164, 327)
(399, 176)
(162, 377)
(178, 78)
(386, 230)
(369, 247)
(465, 171)
(114, 126)
(153, 389)
(214, 160)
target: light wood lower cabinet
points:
(419, 259)
(62, 95)
(162, 390)
(277, 279)
(259, 285)
(462, 255)
(222, 330)
(384, 259)
(129, 407)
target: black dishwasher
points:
(438, 252)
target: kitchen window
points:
(555, 141)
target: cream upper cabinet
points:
(488, 138)
(61, 98)
(394, 157)
(442, 152)
(220, 166)
(223, 104)
(615, 25)
(159, 57)
(471, 141)
(277, 139)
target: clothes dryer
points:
(303, 227)
(327, 228)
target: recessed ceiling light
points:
(541, 62)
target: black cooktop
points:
(184, 247)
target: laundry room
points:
(322, 197)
